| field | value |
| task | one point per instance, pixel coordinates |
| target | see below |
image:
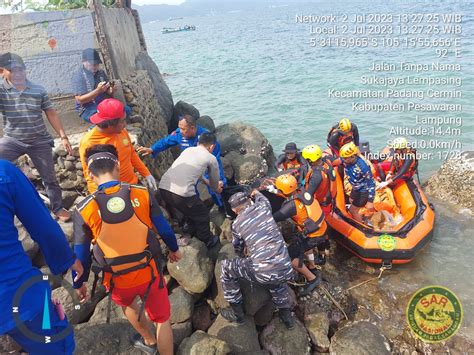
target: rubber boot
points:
(235, 313)
(311, 285)
(286, 318)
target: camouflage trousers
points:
(241, 268)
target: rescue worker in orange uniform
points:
(308, 217)
(292, 162)
(404, 163)
(320, 179)
(110, 129)
(342, 133)
(121, 222)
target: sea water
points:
(259, 67)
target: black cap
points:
(238, 199)
(91, 55)
(9, 60)
(290, 148)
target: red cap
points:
(108, 109)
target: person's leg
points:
(42, 157)
(164, 336)
(142, 326)
(281, 299)
(198, 214)
(11, 149)
(296, 252)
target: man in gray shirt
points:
(178, 185)
(22, 104)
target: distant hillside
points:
(200, 7)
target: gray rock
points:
(207, 123)
(54, 283)
(240, 337)
(202, 317)
(69, 165)
(180, 332)
(68, 198)
(194, 271)
(264, 315)
(68, 184)
(182, 305)
(226, 252)
(248, 168)
(162, 93)
(79, 315)
(228, 169)
(359, 338)
(29, 245)
(318, 329)
(113, 338)
(278, 340)
(8, 345)
(100, 312)
(201, 343)
(60, 151)
(182, 108)
(453, 182)
(68, 230)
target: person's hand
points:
(220, 187)
(382, 185)
(151, 182)
(174, 256)
(82, 293)
(77, 267)
(253, 193)
(144, 151)
(388, 176)
(67, 145)
(103, 86)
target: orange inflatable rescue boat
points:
(396, 245)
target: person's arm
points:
(404, 169)
(260, 199)
(303, 170)
(280, 160)
(217, 153)
(82, 155)
(237, 242)
(82, 236)
(43, 229)
(334, 140)
(137, 163)
(213, 170)
(56, 123)
(286, 211)
(161, 145)
(314, 182)
(80, 89)
(162, 226)
(355, 132)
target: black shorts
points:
(359, 199)
(301, 245)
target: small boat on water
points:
(175, 18)
(178, 29)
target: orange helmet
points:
(286, 183)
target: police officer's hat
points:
(238, 199)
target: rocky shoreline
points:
(375, 320)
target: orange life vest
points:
(309, 218)
(290, 164)
(397, 164)
(123, 236)
(343, 138)
(326, 191)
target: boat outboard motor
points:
(364, 147)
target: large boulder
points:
(279, 340)
(182, 305)
(195, 270)
(8, 345)
(113, 338)
(359, 338)
(202, 319)
(30, 247)
(202, 343)
(100, 312)
(180, 109)
(240, 337)
(318, 328)
(79, 315)
(162, 93)
(207, 123)
(454, 182)
(252, 155)
(180, 332)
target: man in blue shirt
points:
(361, 179)
(19, 198)
(187, 135)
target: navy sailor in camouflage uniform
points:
(267, 261)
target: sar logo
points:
(116, 205)
(434, 314)
(386, 242)
(125, 142)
